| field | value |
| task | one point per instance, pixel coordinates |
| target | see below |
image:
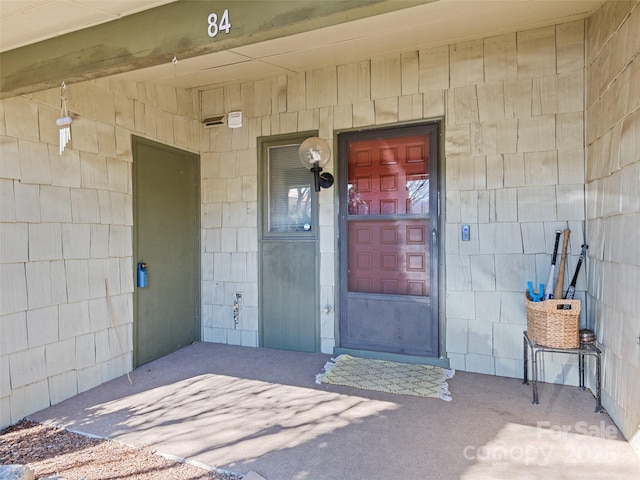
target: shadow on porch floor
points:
(242, 409)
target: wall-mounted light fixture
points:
(314, 154)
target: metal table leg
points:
(534, 375)
(525, 356)
(581, 370)
(598, 386)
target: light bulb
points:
(314, 150)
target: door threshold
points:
(394, 357)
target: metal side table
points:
(584, 349)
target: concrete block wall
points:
(613, 204)
(514, 172)
(513, 120)
(66, 231)
(230, 203)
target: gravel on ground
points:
(49, 451)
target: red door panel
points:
(388, 179)
(389, 256)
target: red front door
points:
(389, 216)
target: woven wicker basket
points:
(550, 325)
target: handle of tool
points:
(557, 292)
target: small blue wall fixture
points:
(143, 277)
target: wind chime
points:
(64, 122)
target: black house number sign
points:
(218, 23)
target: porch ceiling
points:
(438, 22)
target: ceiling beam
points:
(182, 29)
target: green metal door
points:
(166, 226)
(289, 312)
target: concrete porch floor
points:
(241, 409)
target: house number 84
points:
(216, 26)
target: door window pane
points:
(289, 191)
(389, 178)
